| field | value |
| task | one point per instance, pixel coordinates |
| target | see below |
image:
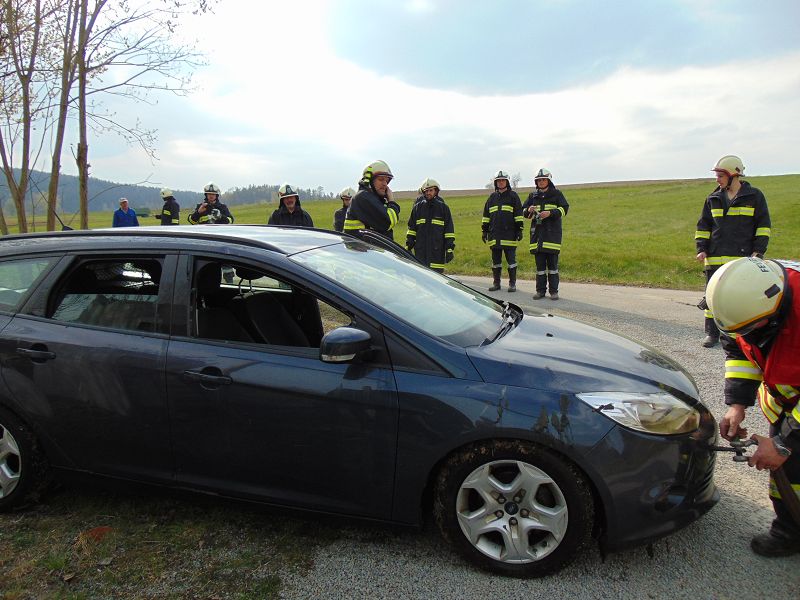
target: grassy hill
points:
(621, 233)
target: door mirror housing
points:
(344, 344)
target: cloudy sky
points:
(309, 91)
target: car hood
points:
(558, 354)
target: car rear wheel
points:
(513, 507)
(22, 467)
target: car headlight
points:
(659, 413)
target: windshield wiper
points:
(511, 316)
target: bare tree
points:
(515, 179)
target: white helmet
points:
(430, 183)
(543, 174)
(501, 175)
(211, 188)
(731, 165)
(347, 192)
(287, 190)
(744, 292)
(166, 193)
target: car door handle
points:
(207, 378)
(36, 355)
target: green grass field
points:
(628, 234)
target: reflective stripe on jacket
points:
(502, 218)
(546, 234)
(430, 233)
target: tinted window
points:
(120, 293)
(17, 277)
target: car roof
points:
(282, 239)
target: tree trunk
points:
(83, 146)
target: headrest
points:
(247, 274)
(208, 278)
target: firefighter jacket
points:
(206, 218)
(546, 233)
(338, 219)
(770, 372)
(502, 221)
(282, 216)
(430, 233)
(369, 211)
(729, 230)
(170, 212)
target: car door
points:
(84, 360)
(271, 420)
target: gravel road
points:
(710, 559)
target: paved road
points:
(710, 559)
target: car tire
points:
(23, 470)
(513, 508)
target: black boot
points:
(771, 545)
(712, 334)
(541, 285)
(512, 279)
(496, 275)
(552, 283)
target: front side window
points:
(431, 302)
(17, 277)
(118, 293)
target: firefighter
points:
(430, 229)
(545, 207)
(210, 210)
(170, 212)
(734, 222)
(373, 207)
(757, 303)
(289, 211)
(501, 227)
(346, 196)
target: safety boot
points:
(771, 545)
(496, 276)
(512, 279)
(539, 295)
(710, 341)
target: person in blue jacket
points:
(124, 216)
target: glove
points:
(519, 235)
(485, 236)
(216, 215)
(448, 256)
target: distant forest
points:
(105, 195)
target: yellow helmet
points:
(379, 167)
(430, 183)
(731, 165)
(744, 292)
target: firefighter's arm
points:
(449, 234)
(763, 226)
(742, 379)
(702, 234)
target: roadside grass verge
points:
(638, 234)
(97, 544)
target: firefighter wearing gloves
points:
(545, 207)
(289, 211)
(430, 229)
(757, 303)
(211, 210)
(734, 222)
(346, 196)
(501, 227)
(170, 212)
(373, 207)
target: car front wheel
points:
(22, 468)
(513, 507)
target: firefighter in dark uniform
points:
(430, 229)
(346, 196)
(546, 207)
(211, 210)
(735, 222)
(757, 303)
(502, 226)
(170, 212)
(373, 207)
(289, 211)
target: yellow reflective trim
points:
(420, 221)
(354, 224)
(492, 243)
(708, 314)
(551, 246)
(765, 231)
(719, 260)
(520, 218)
(493, 209)
(437, 222)
(741, 211)
(550, 206)
(773, 488)
(450, 235)
(716, 212)
(165, 212)
(796, 413)
(507, 208)
(562, 211)
(702, 235)
(508, 243)
(743, 374)
(787, 391)
(411, 233)
(436, 266)
(392, 217)
(485, 220)
(768, 406)
(533, 247)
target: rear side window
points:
(120, 294)
(17, 277)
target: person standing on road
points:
(734, 222)
(124, 216)
(346, 196)
(373, 207)
(546, 207)
(289, 211)
(430, 229)
(501, 227)
(757, 303)
(170, 212)
(211, 210)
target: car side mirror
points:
(343, 344)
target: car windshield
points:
(431, 302)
